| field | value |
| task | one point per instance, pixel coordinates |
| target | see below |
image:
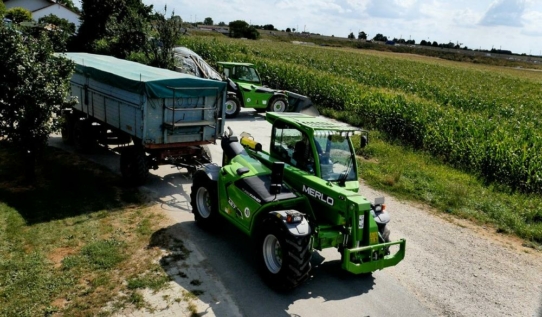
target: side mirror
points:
(277, 174)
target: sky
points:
(514, 25)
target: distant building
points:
(41, 8)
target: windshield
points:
(245, 73)
(337, 159)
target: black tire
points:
(385, 236)
(66, 129)
(284, 258)
(204, 200)
(133, 166)
(385, 232)
(83, 138)
(278, 104)
(233, 106)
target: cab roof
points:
(307, 122)
(234, 64)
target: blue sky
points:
(514, 25)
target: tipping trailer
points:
(157, 116)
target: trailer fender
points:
(211, 170)
(296, 228)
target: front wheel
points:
(233, 106)
(284, 258)
(278, 104)
(133, 166)
(204, 200)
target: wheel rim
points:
(231, 107)
(272, 254)
(203, 202)
(279, 106)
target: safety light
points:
(294, 217)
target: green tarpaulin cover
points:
(142, 79)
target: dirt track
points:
(452, 268)
(458, 269)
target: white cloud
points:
(533, 23)
(481, 23)
(395, 9)
(466, 18)
(504, 12)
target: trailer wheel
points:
(233, 106)
(278, 104)
(82, 136)
(133, 166)
(66, 129)
(204, 200)
(284, 258)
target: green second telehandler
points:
(300, 196)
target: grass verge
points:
(73, 242)
(415, 176)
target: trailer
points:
(154, 116)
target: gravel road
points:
(452, 268)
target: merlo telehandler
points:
(300, 196)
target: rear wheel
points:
(133, 166)
(83, 137)
(284, 258)
(233, 106)
(66, 130)
(278, 104)
(204, 200)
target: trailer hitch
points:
(376, 257)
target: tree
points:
(269, 27)
(208, 21)
(69, 4)
(351, 36)
(288, 30)
(221, 23)
(160, 52)
(127, 34)
(251, 33)
(362, 35)
(380, 37)
(33, 86)
(240, 29)
(2, 9)
(18, 15)
(58, 30)
(435, 44)
(112, 26)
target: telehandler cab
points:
(300, 196)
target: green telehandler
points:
(300, 196)
(245, 87)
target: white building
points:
(41, 8)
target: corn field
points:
(481, 121)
